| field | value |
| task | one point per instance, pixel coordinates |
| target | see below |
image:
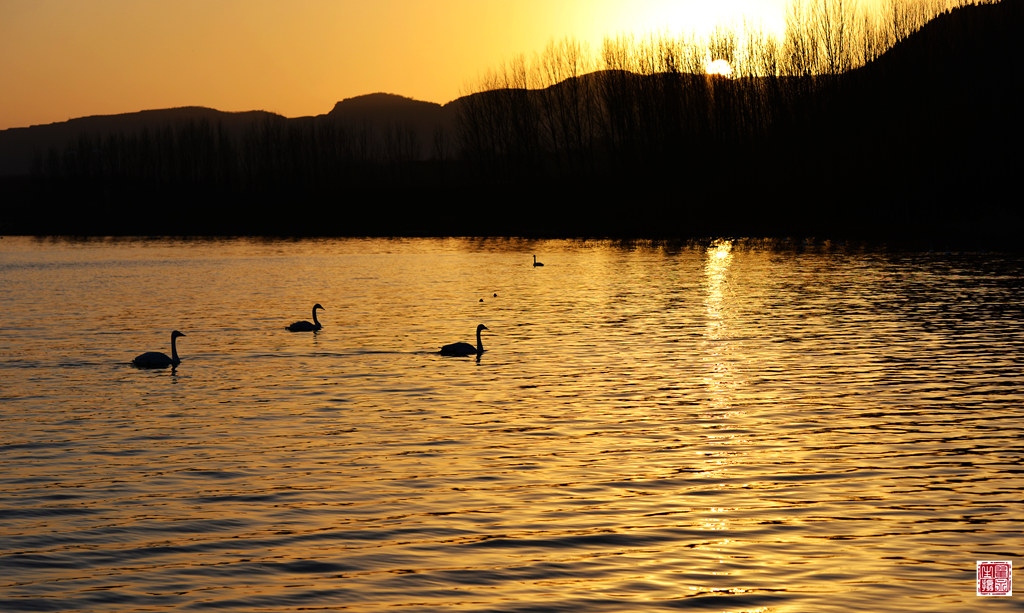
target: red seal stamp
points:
(995, 578)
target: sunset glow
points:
(675, 17)
(61, 59)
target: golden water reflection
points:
(713, 427)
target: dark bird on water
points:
(305, 326)
(536, 263)
(465, 349)
(155, 359)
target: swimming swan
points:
(305, 326)
(155, 359)
(536, 263)
(465, 349)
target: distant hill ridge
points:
(377, 111)
(380, 102)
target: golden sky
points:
(61, 59)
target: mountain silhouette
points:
(18, 146)
(381, 109)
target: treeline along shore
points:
(904, 122)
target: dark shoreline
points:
(957, 216)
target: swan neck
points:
(316, 322)
(174, 349)
(479, 343)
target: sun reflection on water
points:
(719, 379)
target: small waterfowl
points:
(155, 359)
(305, 326)
(465, 349)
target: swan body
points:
(465, 349)
(155, 359)
(536, 263)
(305, 326)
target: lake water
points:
(717, 426)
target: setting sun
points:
(719, 67)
